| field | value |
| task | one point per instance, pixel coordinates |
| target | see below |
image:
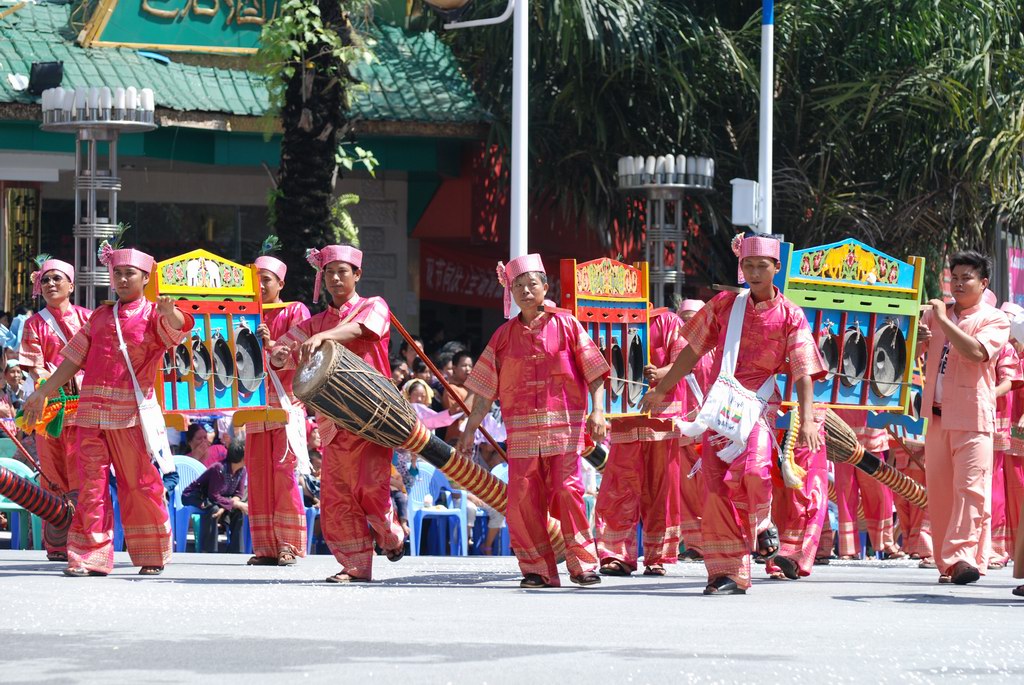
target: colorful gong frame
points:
(610, 299)
(863, 307)
(220, 367)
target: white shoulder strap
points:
(733, 332)
(52, 323)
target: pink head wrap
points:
(111, 258)
(318, 259)
(273, 265)
(989, 298)
(1011, 309)
(513, 270)
(691, 306)
(754, 246)
(50, 265)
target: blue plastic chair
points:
(188, 470)
(118, 524)
(426, 485)
(21, 520)
(446, 494)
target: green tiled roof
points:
(415, 77)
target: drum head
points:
(168, 365)
(223, 364)
(855, 357)
(312, 375)
(201, 362)
(890, 359)
(182, 363)
(618, 371)
(248, 361)
(636, 368)
(828, 343)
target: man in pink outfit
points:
(964, 340)
(855, 488)
(355, 478)
(44, 336)
(641, 481)
(800, 513)
(108, 424)
(996, 526)
(691, 481)
(775, 339)
(541, 366)
(277, 517)
(1013, 460)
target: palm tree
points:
(900, 124)
(306, 53)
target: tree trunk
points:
(315, 110)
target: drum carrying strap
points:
(151, 415)
(52, 323)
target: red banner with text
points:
(455, 277)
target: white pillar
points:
(519, 228)
(764, 157)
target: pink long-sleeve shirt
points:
(541, 373)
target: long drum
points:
(357, 397)
(55, 511)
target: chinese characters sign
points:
(221, 26)
(455, 277)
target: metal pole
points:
(764, 158)
(519, 233)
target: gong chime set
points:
(862, 307)
(610, 299)
(220, 368)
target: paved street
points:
(444, 620)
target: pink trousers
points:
(914, 524)
(1013, 474)
(537, 487)
(277, 517)
(355, 498)
(59, 468)
(997, 528)
(691, 503)
(737, 506)
(855, 488)
(959, 467)
(640, 484)
(140, 494)
(800, 513)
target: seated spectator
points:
(14, 384)
(462, 366)
(406, 352)
(399, 371)
(421, 371)
(400, 497)
(199, 445)
(311, 481)
(443, 362)
(221, 493)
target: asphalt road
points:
(464, 620)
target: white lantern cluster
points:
(657, 170)
(98, 104)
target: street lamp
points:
(519, 11)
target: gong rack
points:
(863, 307)
(220, 367)
(610, 299)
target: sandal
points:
(724, 585)
(654, 570)
(532, 581)
(944, 579)
(262, 561)
(996, 566)
(395, 554)
(1019, 591)
(692, 555)
(57, 556)
(927, 563)
(768, 542)
(615, 568)
(286, 559)
(586, 579)
(79, 572)
(151, 570)
(342, 577)
(848, 557)
(776, 575)
(822, 561)
(898, 554)
(963, 573)
(788, 567)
